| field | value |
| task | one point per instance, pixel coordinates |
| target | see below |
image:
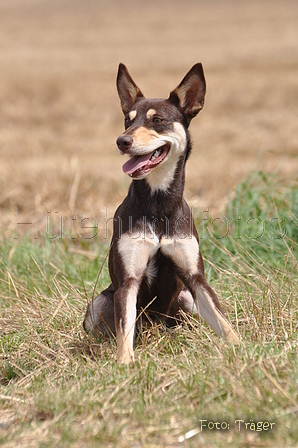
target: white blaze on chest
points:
(183, 252)
(137, 254)
(136, 251)
(151, 271)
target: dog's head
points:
(156, 134)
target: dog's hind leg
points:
(210, 310)
(207, 305)
(99, 315)
(186, 303)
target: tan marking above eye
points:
(150, 113)
(132, 114)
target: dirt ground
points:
(60, 114)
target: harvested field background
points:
(60, 114)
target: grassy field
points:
(60, 387)
(61, 179)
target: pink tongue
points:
(136, 162)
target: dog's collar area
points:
(139, 166)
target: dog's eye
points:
(156, 120)
(127, 122)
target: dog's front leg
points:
(129, 263)
(125, 302)
(186, 255)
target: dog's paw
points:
(125, 354)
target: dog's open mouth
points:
(137, 166)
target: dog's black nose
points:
(124, 142)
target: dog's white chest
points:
(184, 252)
(137, 253)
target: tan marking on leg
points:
(125, 333)
(211, 314)
(150, 113)
(135, 252)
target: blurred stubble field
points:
(60, 114)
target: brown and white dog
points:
(154, 261)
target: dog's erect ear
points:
(189, 95)
(128, 91)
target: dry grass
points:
(58, 387)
